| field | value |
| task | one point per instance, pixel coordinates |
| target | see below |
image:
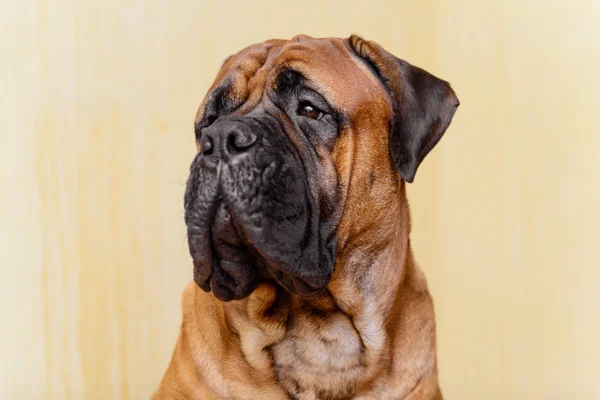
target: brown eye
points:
(310, 111)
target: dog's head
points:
(294, 138)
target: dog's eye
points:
(309, 111)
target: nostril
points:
(240, 141)
(206, 145)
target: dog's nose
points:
(226, 140)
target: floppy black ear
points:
(423, 105)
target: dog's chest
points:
(321, 357)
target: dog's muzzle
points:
(250, 213)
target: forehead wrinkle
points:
(242, 69)
(299, 53)
(255, 85)
(245, 71)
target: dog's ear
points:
(423, 105)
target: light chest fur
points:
(321, 357)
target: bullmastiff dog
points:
(305, 286)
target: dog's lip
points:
(303, 286)
(225, 293)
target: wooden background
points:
(97, 100)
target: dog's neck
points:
(373, 288)
(368, 281)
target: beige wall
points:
(97, 101)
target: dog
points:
(305, 286)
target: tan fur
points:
(371, 335)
